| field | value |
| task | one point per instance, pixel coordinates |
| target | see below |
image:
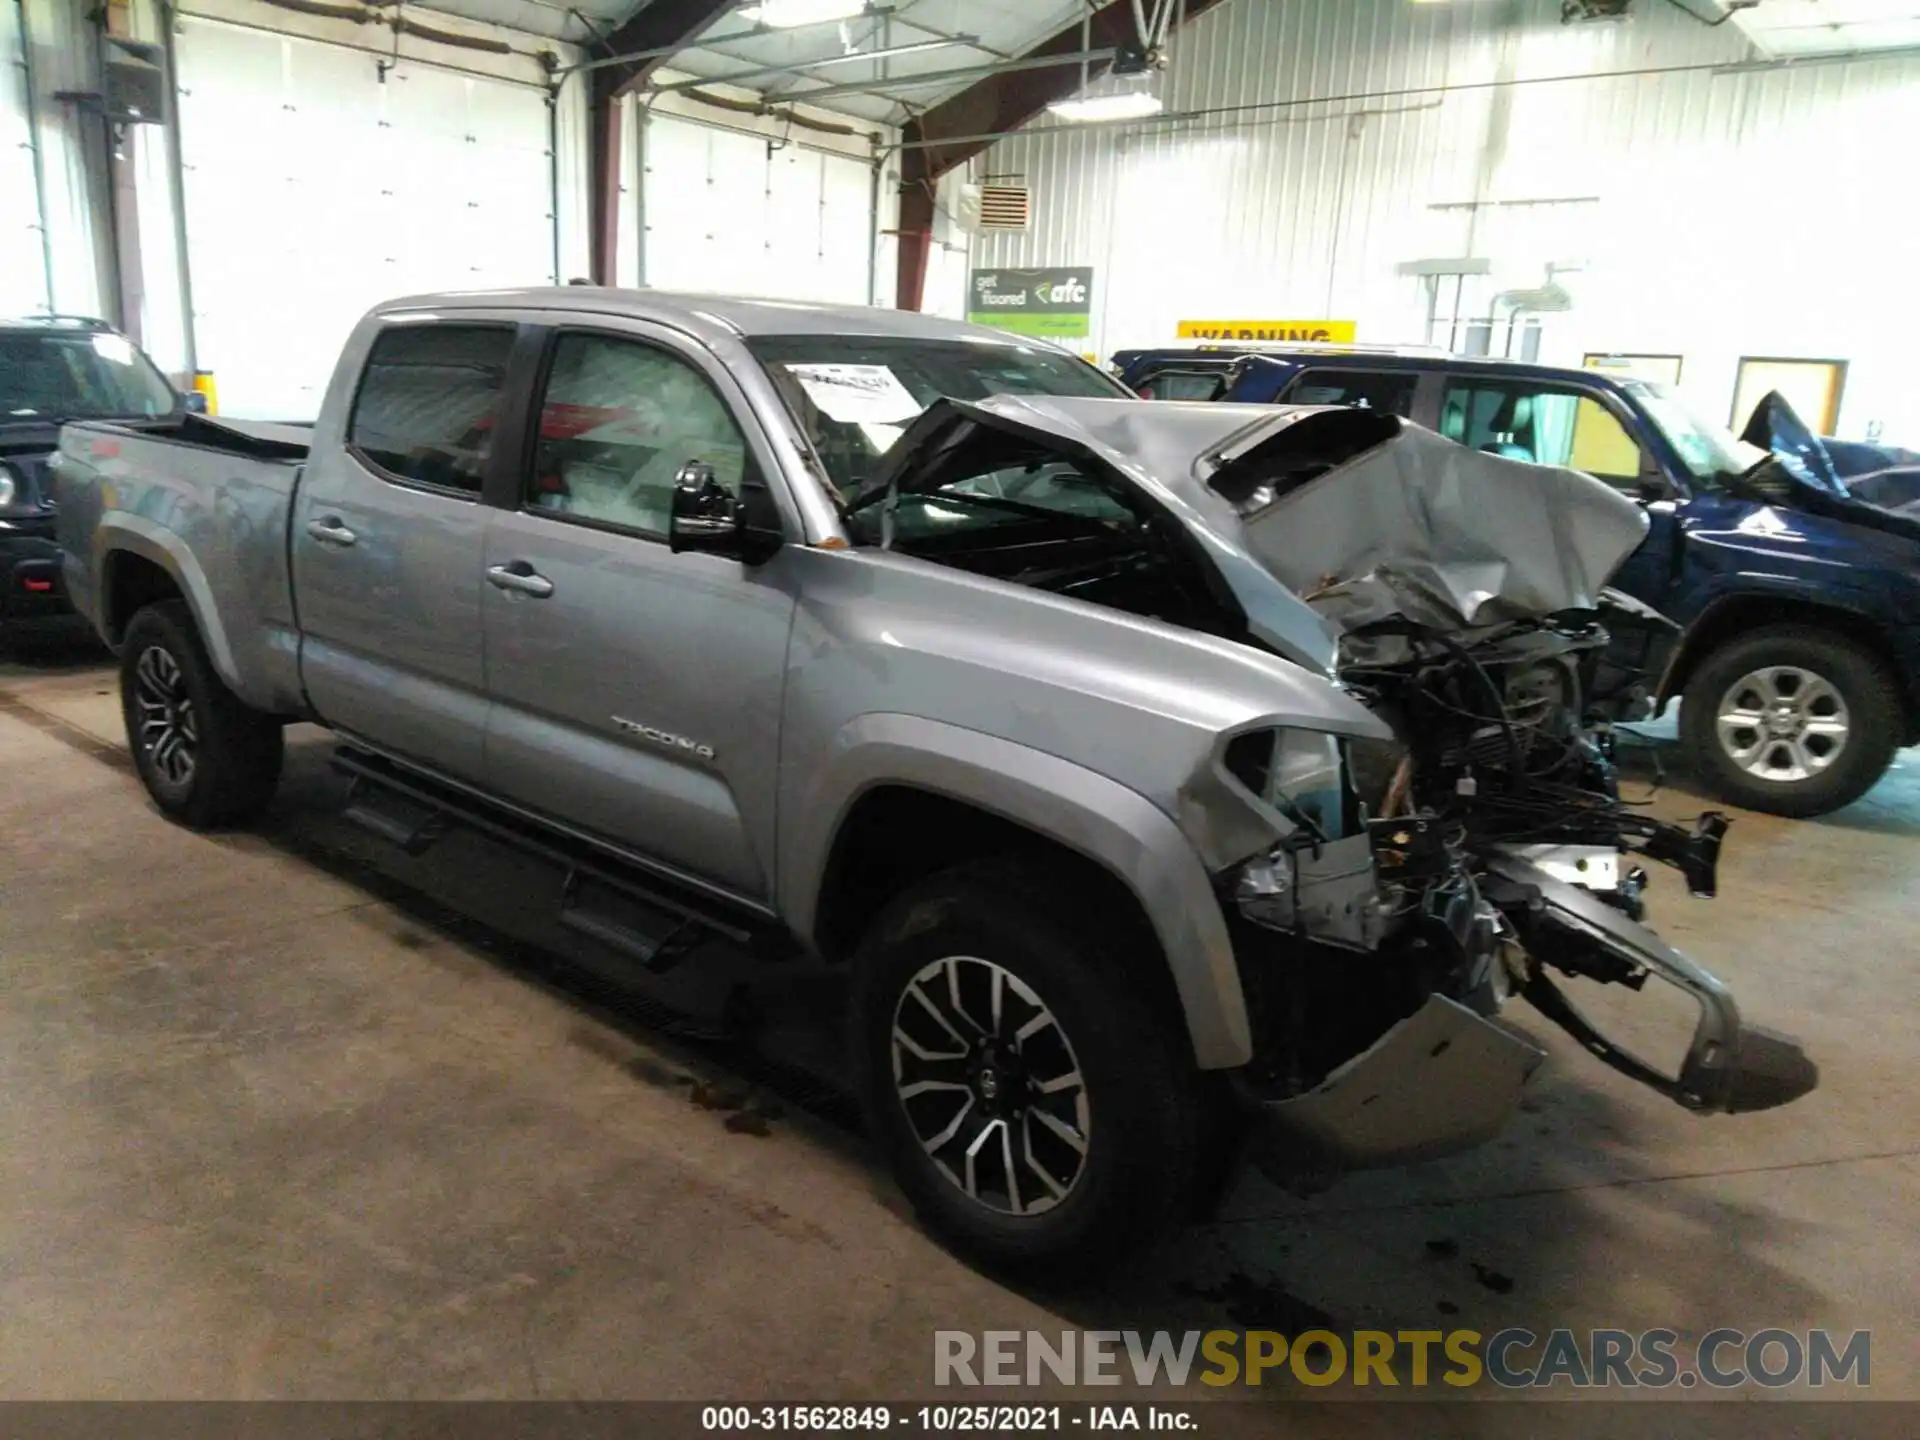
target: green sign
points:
(1055, 302)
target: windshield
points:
(77, 375)
(1707, 449)
(854, 394)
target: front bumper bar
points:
(1446, 1079)
(1729, 1068)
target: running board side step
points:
(647, 920)
(411, 829)
(659, 942)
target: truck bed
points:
(206, 500)
(260, 439)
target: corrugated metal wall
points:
(1716, 210)
(716, 199)
(76, 208)
(23, 260)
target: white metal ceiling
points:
(995, 30)
(998, 29)
(1787, 28)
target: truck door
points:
(387, 539)
(636, 692)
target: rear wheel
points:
(1037, 1108)
(207, 759)
(1792, 720)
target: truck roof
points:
(1363, 358)
(45, 324)
(731, 314)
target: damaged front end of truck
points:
(1486, 854)
(1408, 889)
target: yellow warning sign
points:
(1315, 332)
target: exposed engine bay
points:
(1421, 884)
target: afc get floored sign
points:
(1056, 302)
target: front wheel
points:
(1035, 1105)
(1792, 720)
(207, 758)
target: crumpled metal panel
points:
(1441, 1081)
(1418, 526)
(1445, 536)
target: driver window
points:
(1542, 427)
(617, 422)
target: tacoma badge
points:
(662, 737)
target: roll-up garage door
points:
(315, 187)
(23, 266)
(730, 212)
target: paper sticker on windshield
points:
(857, 394)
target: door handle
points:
(330, 531)
(520, 579)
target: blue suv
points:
(54, 369)
(1791, 568)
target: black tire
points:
(1866, 700)
(1146, 1141)
(232, 752)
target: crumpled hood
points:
(1873, 485)
(1424, 528)
(1364, 515)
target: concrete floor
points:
(283, 1114)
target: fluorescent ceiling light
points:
(790, 14)
(1118, 105)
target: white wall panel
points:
(1315, 146)
(162, 323)
(846, 263)
(317, 184)
(73, 194)
(23, 268)
(730, 211)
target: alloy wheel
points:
(990, 1084)
(169, 733)
(1783, 723)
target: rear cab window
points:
(426, 410)
(1183, 385)
(1388, 390)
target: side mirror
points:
(194, 402)
(706, 517)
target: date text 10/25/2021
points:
(945, 1419)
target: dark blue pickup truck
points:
(1791, 568)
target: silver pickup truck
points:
(1172, 778)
